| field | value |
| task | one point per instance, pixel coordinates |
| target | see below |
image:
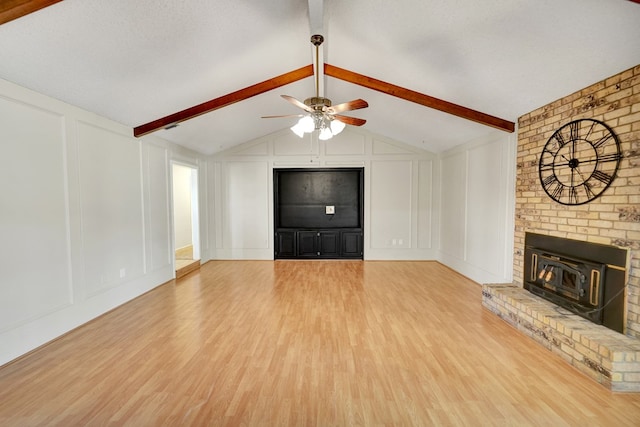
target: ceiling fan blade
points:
(356, 104)
(297, 103)
(353, 121)
(283, 116)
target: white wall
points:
(84, 217)
(399, 205)
(477, 207)
(456, 207)
(182, 205)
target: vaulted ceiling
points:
(140, 62)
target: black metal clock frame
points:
(579, 162)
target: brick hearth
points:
(610, 358)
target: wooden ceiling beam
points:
(14, 9)
(336, 72)
(225, 100)
(419, 98)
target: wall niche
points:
(318, 213)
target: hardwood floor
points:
(297, 343)
(186, 266)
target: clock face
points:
(579, 162)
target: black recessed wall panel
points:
(302, 224)
(302, 196)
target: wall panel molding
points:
(399, 166)
(73, 177)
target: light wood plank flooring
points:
(297, 343)
(186, 266)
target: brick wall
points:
(614, 217)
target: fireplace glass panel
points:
(592, 288)
(570, 281)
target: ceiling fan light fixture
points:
(297, 129)
(307, 124)
(337, 126)
(325, 133)
(320, 114)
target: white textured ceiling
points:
(138, 61)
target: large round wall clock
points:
(579, 161)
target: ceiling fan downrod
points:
(317, 40)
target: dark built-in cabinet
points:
(318, 213)
(329, 244)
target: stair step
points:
(184, 268)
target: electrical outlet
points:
(123, 272)
(330, 210)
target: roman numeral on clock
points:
(554, 187)
(558, 136)
(548, 181)
(574, 131)
(593, 124)
(588, 190)
(602, 176)
(573, 195)
(609, 157)
(557, 191)
(602, 140)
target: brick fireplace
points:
(612, 219)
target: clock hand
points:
(588, 161)
(579, 173)
(568, 161)
(573, 171)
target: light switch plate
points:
(330, 210)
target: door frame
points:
(195, 209)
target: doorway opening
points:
(186, 230)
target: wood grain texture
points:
(185, 266)
(225, 100)
(14, 9)
(293, 343)
(419, 98)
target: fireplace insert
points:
(587, 279)
(568, 281)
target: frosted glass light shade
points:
(307, 124)
(297, 129)
(325, 134)
(337, 126)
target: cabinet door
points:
(285, 244)
(329, 244)
(307, 244)
(352, 244)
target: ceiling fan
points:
(320, 114)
